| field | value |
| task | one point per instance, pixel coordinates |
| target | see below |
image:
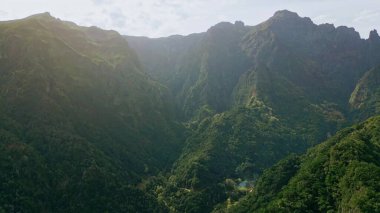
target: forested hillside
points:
(365, 98)
(81, 123)
(252, 95)
(220, 121)
(339, 175)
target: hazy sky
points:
(155, 18)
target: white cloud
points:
(320, 19)
(101, 1)
(368, 15)
(165, 17)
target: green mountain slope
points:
(365, 100)
(81, 122)
(287, 62)
(163, 56)
(202, 70)
(236, 145)
(235, 78)
(339, 175)
(322, 62)
(90, 121)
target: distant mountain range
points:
(220, 121)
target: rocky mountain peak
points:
(286, 14)
(374, 36)
(45, 15)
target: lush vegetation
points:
(365, 98)
(339, 175)
(81, 124)
(252, 95)
(196, 127)
(226, 148)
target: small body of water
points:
(245, 184)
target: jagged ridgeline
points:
(255, 94)
(81, 123)
(303, 71)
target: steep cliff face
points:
(231, 64)
(373, 46)
(323, 61)
(365, 99)
(287, 71)
(93, 121)
(202, 69)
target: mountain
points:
(251, 95)
(82, 123)
(339, 175)
(93, 121)
(163, 55)
(321, 62)
(233, 146)
(204, 68)
(287, 62)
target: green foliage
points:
(339, 175)
(237, 144)
(84, 129)
(81, 124)
(365, 98)
(251, 96)
(201, 69)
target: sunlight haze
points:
(158, 18)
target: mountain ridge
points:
(84, 115)
(96, 121)
(299, 73)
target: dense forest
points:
(341, 174)
(277, 117)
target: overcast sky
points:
(157, 18)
